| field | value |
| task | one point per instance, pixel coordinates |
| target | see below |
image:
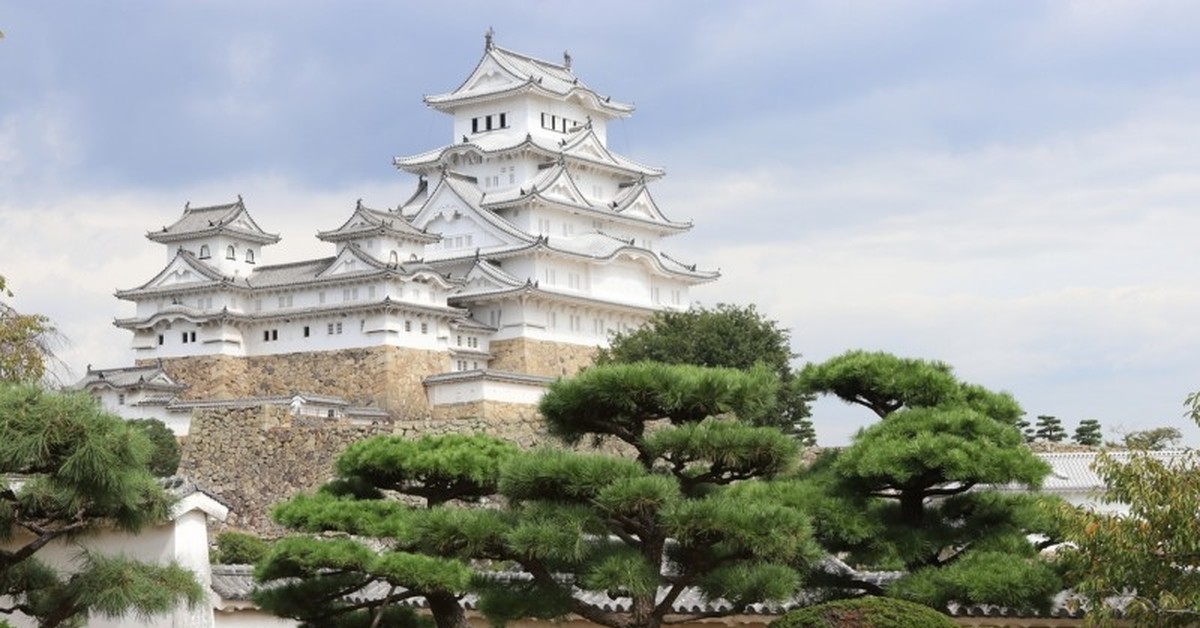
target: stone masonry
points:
(540, 357)
(390, 378)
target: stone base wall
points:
(253, 458)
(385, 377)
(540, 357)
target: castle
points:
(525, 244)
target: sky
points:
(1009, 187)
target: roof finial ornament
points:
(239, 199)
(187, 205)
(487, 38)
(358, 204)
(567, 59)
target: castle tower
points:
(557, 236)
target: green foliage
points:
(885, 383)
(621, 399)
(164, 460)
(82, 470)
(1150, 556)
(428, 548)
(698, 497)
(240, 548)
(1049, 428)
(727, 336)
(26, 342)
(1153, 439)
(904, 494)
(1087, 433)
(865, 612)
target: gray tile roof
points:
(1072, 471)
(530, 73)
(230, 218)
(365, 220)
(141, 377)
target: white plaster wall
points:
(251, 618)
(481, 389)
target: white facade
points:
(525, 226)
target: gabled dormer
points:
(224, 237)
(386, 236)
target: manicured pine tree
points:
(1088, 433)
(694, 508)
(728, 336)
(397, 549)
(690, 506)
(79, 470)
(906, 493)
(1049, 428)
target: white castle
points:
(525, 237)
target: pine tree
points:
(905, 493)
(1088, 433)
(696, 492)
(81, 470)
(728, 336)
(1049, 428)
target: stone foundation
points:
(540, 357)
(385, 377)
(253, 458)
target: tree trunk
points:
(446, 611)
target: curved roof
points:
(366, 221)
(501, 72)
(198, 222)
(581, 145)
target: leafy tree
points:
(1153, 439)
(901, 495)
(669, 519)
(865, 612)
(164, 458)
(26, 342)
(79, 470)
(1149, 557)
(728, 336)
(1049, 428)
(1088, 433)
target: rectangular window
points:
(504, 120)
(544, 226)
(329, 329)
(321, 296)
(474, 125)
(160, 339)
(337, 327)
(458, 341)
(424, 328)
(120, 399)
(266, 335)
(407, 325)
(371, 292)
(258, 305)
(306, 332)
(552, 320)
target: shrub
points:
(164, 461)
(864, 612)
(239, 548)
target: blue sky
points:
(1009, 187)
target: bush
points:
(239, 548)
(165, 459)
(864, 612)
